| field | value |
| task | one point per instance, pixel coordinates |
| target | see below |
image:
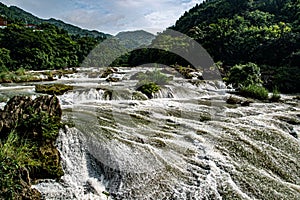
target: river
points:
(185, 143)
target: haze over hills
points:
(17, 14)
(135, 39)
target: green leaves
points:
(266, 33)
(149, 88)
(152, 76)
(149, 82)
(15, 155)
(46, 47)
(244, 75)
(254, 91)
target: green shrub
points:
(149, 82)
(15, 156)
(21, 71)
(40, 122)
(18, 76)
(275, 95)
(244, 75)
(254, 91)
(3, 69)
(152, 76)
(184, 71)
(149, 88)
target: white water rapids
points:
(186, 143)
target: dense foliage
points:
(254, 91)
(240, 31)
(28, 131)
(165, 49)
(244, 75)
(15, 14)
(149, 89)
(154, 76)
(14, 157)
(237, 32)
(46, 47)
(150, 81)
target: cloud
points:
(43, 9)
(110, 16)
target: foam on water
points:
(164, 148)
(81, 180)
(186, 143)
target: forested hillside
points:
(239, 34)
(46, 47)
(15, 14)
(45, 44)
(264, 32)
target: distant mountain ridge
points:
(135, 39)
(17, 14)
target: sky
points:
(110, 16)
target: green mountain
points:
(16, 14)
(135, 39)
(264, 32)
(53, 44)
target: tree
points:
(244, 75)
(5, 59)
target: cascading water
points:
(186, 143)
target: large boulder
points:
(37, 121)
(21, 108)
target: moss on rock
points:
(28, 130)
(148, 89)
(53, 89)
(139, 96)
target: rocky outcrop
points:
(108, 72)
(37, 121)
(238, 100)
(53, 89)
(21, 108)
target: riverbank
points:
(28, 131)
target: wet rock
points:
(186, 72)
(108, 95)
(169, 70)
(293, 133)
(289, 119)
(93, 75)
(37, 120)
(170, 121)
(246, 102)
(53, 89)
(112, 79)
(108, 72)
(242, 101)
(196, 75)
(139, 96)
(233, 100)
(297, 98)
(136, 76)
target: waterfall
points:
(82, 179)
(185, 143)
(175, 149)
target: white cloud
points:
(110, 16)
